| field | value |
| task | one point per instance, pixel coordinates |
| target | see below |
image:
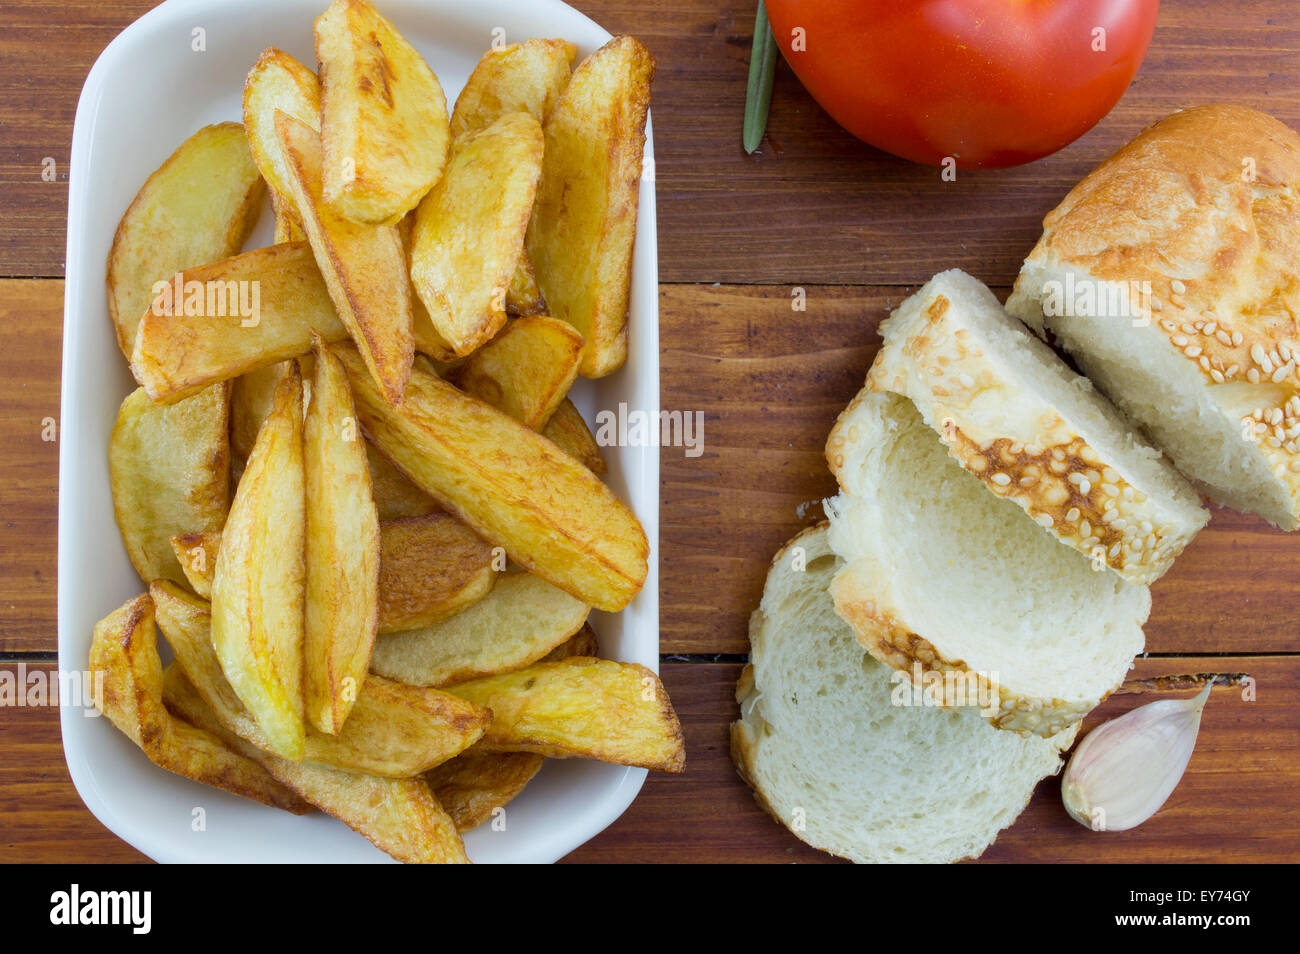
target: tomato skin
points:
(990, 83)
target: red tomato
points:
(990, 83)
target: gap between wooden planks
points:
(769, 381)
(1236, 803)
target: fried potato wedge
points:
(277, 81)
(526, 370)
(430, 568)
(364, 266)
(469, 230)
(197, 555)
(584, 708)
(258, 584)
(395, 495)
(521, 77)
(287, 227)
(583, 226)
(581, 643)
(179, 351)
(393, 729)
(473, 787)
(524, 296)
(511, 485)
(568, 431)
(518, 623)
(398, 815)
(198, 206)
(342, 599)
(252, 395)
(124, 654)
(170, 472)
(383, 115)
(250, 403)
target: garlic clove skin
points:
(1125, 769)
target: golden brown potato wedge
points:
(526, 370)
(583, 226)
(475, 785)
(170, 472)
(581, 643)
(277, 81)
(395, 495)
(177, 353)
(428, 340)
(250, 402)
(581, 707)
(520, 77)
(393, 729)
(431, 567)
(342, 608)
(364, 266)
(511, 485)
(251, 397)
(569, 432)
(383, 115)
(257, 588)
(197, 555)
(398, 815)
(524, 296)
(518, 623)
(124, 654)
(198, 206)
(287, 227)
(469, 230)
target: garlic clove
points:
(1125, 769)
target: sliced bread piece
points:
(942, 575)
(1015, 415)
(1172, 275)
(832, 755)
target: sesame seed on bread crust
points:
(1035, 433)
(1202, 213)
(941, 575)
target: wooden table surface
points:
(814, 210)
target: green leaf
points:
(762, 67)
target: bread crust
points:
(1021, 447)
(1203, 205)
(747, 734)
(893, 644)
(861, 599)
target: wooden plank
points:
(770, 382)
(31, 312)
(725, 216)
(1236, 803)
(42, 819)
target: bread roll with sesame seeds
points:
(832, 754)
(1172, 275)
(940, 575)
(1034, 432)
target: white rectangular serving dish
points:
(147, 92)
